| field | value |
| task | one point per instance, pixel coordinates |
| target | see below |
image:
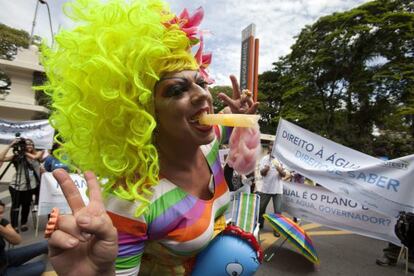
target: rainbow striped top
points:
(177, 226)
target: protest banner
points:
(319, 205)
(51, 194)
(383, 186)
(40, 131)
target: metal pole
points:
(50, 21)
(34, 23)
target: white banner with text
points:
(40, 131)
(383, 186)
(317, 204)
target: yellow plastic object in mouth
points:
(232, 120)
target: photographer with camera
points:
(25, 182)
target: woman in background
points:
(25, 183)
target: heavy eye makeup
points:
(200, 81)
(181, 85)
(177, 88)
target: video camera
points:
(20, 146)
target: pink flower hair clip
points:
(189, 24)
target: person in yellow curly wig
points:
(127, 94)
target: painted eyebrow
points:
(196, 75)
(184, 79)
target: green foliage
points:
(215, 90)
(10, 40)
(43, 99)
(347, 73)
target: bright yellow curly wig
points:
(101, 78)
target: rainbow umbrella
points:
(294, 234)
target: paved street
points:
(340, 252)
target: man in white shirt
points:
(272, 186)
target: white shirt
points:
(271, 183)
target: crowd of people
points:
(129, 111)
(270, 173)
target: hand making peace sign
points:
(85, 242)
(240, 102)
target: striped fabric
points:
(246, 211)
(177, 226)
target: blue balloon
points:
(226, 255)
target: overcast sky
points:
(277, 22)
